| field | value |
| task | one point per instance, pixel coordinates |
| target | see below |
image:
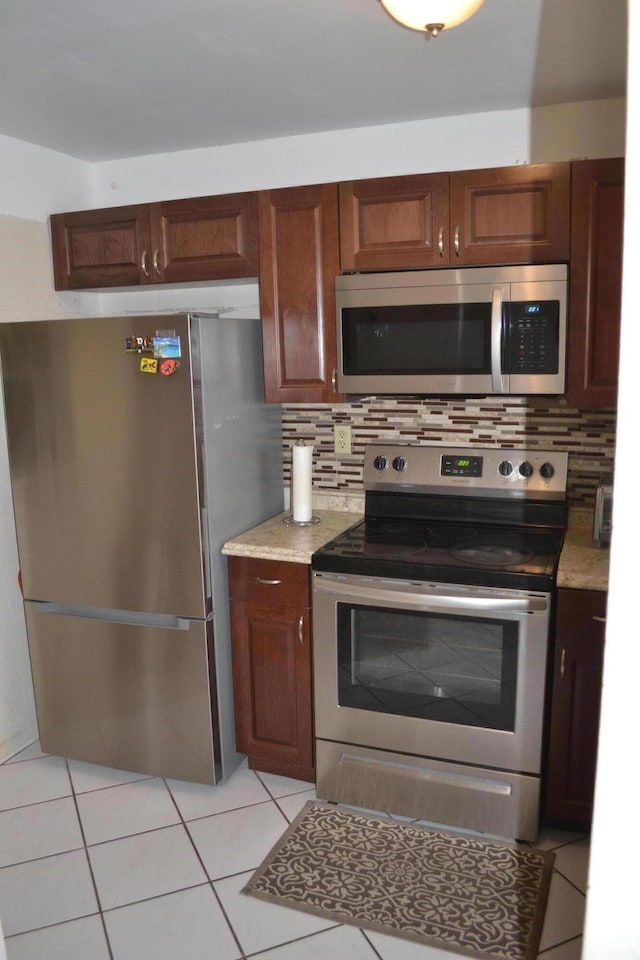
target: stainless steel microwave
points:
(477, 330)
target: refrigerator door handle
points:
(206, 548)
(131, 617)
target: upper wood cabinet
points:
(510, 214)
(499, 215)
(394, 222)
(595, 283)
(575, 707)
(299, 260)
(101, 248)
(199, 239)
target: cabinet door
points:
(101, 248)
(575, 707)
(394, 222)
(299, 260)
(597, 213)
(205, 238)
(510, 214)
(272, 687)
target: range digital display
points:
(461, 466)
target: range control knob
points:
(525, 469)
(547, 470)
(505, 468)
(381, 463)
(399, 464)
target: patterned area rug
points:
(452, 891)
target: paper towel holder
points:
(300, 523)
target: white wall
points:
(594, 129)
(612, 929)
(33, 183)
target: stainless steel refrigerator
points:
(137, 446)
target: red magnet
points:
(167, 367)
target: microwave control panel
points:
(532, 345)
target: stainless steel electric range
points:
(431, 633)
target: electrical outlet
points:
(342, 439)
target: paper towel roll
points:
(301, 479)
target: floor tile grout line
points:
(48, 926)
(47, 856)
(206, 872)
(308, 936)
(562, 943)
(364, 934)
(570, 882)
(282, 796)
(36, 803)
(89, 864)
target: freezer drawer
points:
(132, 696)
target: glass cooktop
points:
(503, 556)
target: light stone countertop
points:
(275, 540)
(583, 565)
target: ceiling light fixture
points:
(431, 16)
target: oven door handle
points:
(443, 602)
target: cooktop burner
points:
(495, 554)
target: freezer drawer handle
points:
(130, 617)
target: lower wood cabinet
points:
(271, 648)
(575, 707)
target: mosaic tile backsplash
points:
(534, 423)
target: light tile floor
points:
(101, 864)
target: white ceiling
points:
(103, 79)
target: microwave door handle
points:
(496, 340)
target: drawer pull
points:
(301, 629)
(600, 619)
(271, 583)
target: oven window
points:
(436, 667)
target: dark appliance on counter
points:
(137, 446)
(431, 624)
(477, 330)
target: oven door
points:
(451, 672)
